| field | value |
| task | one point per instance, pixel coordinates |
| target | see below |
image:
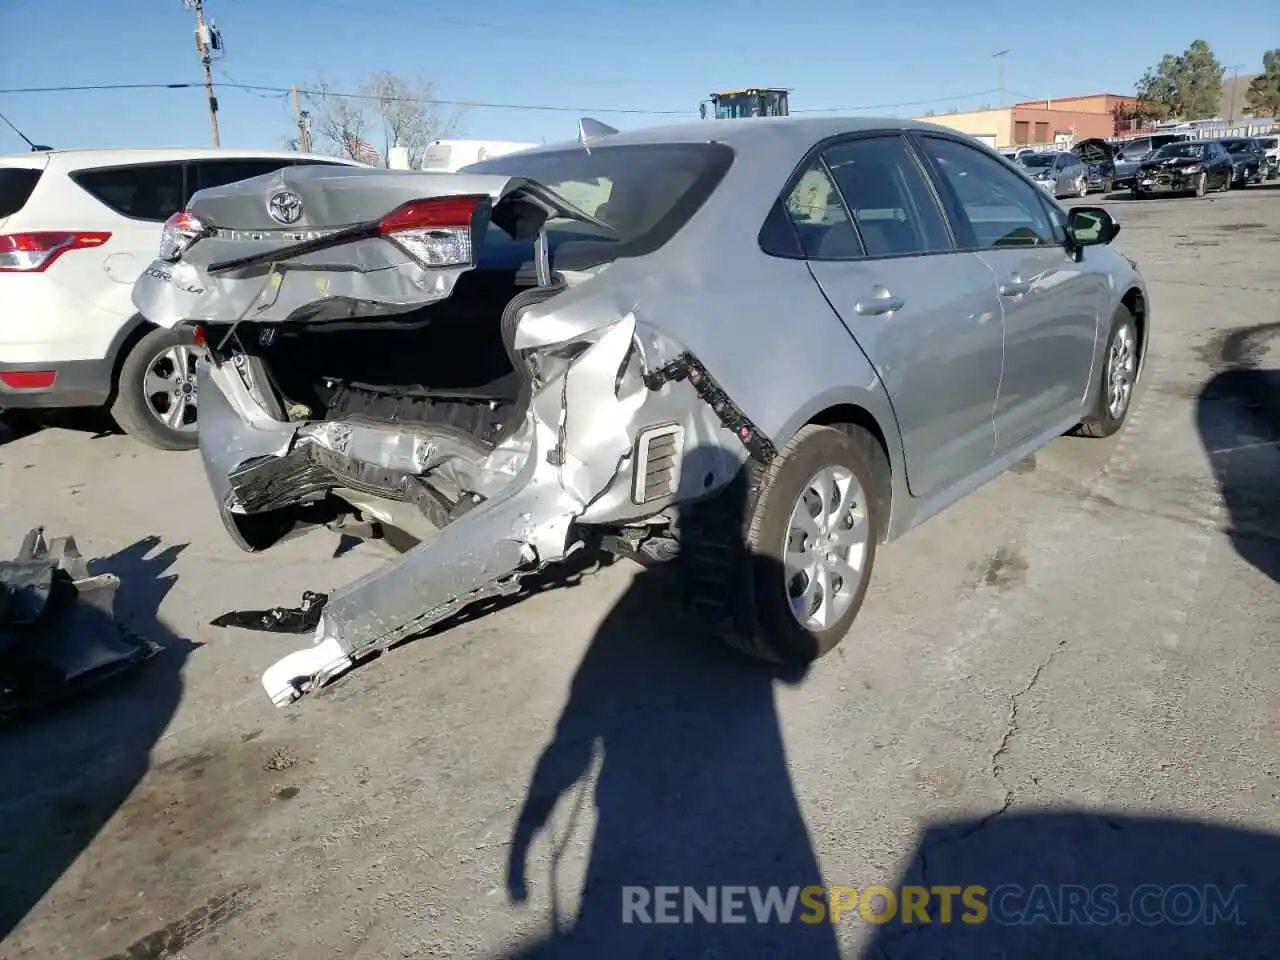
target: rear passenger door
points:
(1052, 305)
(926, 316)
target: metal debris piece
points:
(58, 632)
(299, 619)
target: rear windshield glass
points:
(16, 185)
(645, 192)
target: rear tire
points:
(135, 405)
(735, 548)
(1113, 396)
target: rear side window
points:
(16, 186)
(151, 192)
(890, 200)
(819, 217)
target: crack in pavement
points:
(996, 771)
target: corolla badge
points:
(285, 207)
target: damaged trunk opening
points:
(403, 415)
(453, 357)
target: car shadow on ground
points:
(1077, 884)
(1238, 419)
(65, 771)
(692, 790)
(16, 424)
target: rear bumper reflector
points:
(28, 379)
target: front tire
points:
(1114, 393)
(783, 557)
(156, 392)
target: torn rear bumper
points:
(630, 426)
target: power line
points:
(472, 104)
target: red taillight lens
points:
(437, 231)
(179, 233)
(436, 213)
(34, 252)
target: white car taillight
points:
(437, 231)
(36, 252)
(180, 232)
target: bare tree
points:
(407, 113)
(386, 107)
(338, 122)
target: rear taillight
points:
(34, 252)
(180, 232)
(437, 232)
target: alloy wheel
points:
(170, 390)
(1122, 363)
(826, 547)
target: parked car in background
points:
(522, 376)
(1017, 153)
(77, 227)
(1192, 166)
(1247, 159)
(1271, 151)
(1129, 153)
(1099, 159)
(1059, 173)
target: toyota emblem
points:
(285, 207)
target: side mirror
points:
(1090, 226)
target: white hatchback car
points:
(77, 228)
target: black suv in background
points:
(1248, 158)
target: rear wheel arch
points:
(855, 421)
(130, 332)
(1136, 303)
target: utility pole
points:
(208, 39)
(1235, 84)
(303, 118)
(999, 58)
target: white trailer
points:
(449, 156)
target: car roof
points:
(744, 132)
(118, 156)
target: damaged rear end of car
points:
(458, 357)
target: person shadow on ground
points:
(1238, 419)
(66, 770)
(692, 791)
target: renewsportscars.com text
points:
(1009, 905)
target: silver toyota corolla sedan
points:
(1061, 174)
(759, 347)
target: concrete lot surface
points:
(1072, 677)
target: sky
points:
(626, 63)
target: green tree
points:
(1187, 85)
(1263, 95)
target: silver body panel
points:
(961, 383)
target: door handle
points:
(1014, 288)
(877, 306)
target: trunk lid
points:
(321, 243)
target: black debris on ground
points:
(58, 631)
